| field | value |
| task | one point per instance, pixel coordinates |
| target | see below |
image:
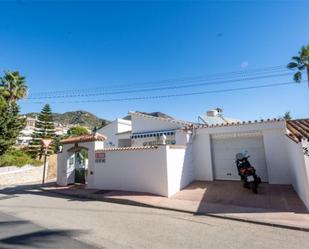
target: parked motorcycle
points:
(247, 173)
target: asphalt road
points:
(35, 219)
(20, 233)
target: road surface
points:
(36, 219)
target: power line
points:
(169, 81)
(242, 73)
(174, 95)
(160, 88)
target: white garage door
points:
(225, 149)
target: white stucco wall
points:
(179, 167)
(162, 171)
(299, 169)
(19, 175)
(124, 125)
(140, 170)
(62, 165)
(110, 131)
(143, 124)
(202, 161)
(182, 137)
(276, 155)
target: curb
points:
(140, 204)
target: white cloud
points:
(244, 64)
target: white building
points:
(117, 133)
(148, 130)
(167, 154)
(25, 135)
(144, 130)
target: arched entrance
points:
(77, 157)
(77, 167)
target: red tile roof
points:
(298, 128)
(129, 148)
(261, 121)
(84, 138)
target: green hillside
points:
(83, 118)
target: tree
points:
(11, 123)
(287, 116)
(77, 131)
(300, 63)
(13, 87)
(44, 129)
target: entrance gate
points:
(76, 157)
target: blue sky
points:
(73, 45)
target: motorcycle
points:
(247, 172)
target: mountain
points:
(76, 118)
(157, 114)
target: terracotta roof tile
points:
(128, 148)
(298, 128)
(84, 138)
(238, 123)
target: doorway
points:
(77, 165)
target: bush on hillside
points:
(19, 158)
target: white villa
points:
(25, 135)
(161, 155)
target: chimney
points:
(212, 113)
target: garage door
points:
(225, 149)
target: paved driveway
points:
(281, 198)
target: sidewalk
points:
(298, 219)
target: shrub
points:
(19, 158)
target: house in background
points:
(145, 129)
(25, 135)
(150, 129)
(117, 132)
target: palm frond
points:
(297, 59)
(301, 67)
(292, 65)
(298, 77)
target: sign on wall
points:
(100, 157)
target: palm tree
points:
(13, 86)
(300, 63)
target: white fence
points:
(299, 169)
(163, 170)
(179, 167)
(18, 175)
